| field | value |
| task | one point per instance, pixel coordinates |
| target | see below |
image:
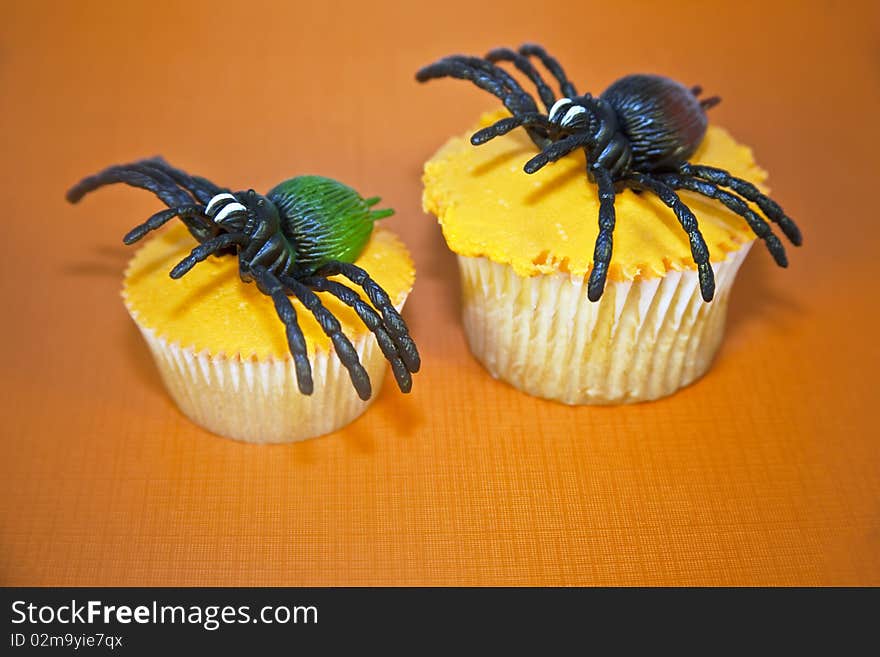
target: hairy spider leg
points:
(267, 247)
(246, 254)
(737, 205)
(550, 63)
(166, 190)
(272, 253)
(505, 125)
(557, 150)
(371, 320)
(205, 249)
(512, 85)
(346, 352)
(269, 285)
(144, 167)
(485, 75)
(605, 238)
(149, 167)
(257, 242)
(202, 188)
(201, 233)
(160, 219)
(688, 221)
(394, 323)
(490, 78)
(524, 65)
(172, 196)
(749, 192)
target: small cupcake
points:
(286, 310)
(583, 297)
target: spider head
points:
(569, 115)
(262, 210)
(227, 211)
(239, 211)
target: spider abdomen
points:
(661, 118)
(323, 219)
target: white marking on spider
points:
(571, 114)
(227, 210)
(216, 199)
(557, 105)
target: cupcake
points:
(286, 311)
(544, 307)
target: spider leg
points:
(737, 205)
(160, 184)
(379, 298)
(485, 75)
(202, 188)
(160, 219)
(272, 254)
(146, 168)
(258, 235)
(688, 221)
(749, 192)
(372, 321)
(605, 238)
(333, 329)
(205, 249)
(246, 260)
(200, 226)
(269, 285)
(556, 150)
(513, 87)
(524, 65)
(490, 78)
(505, 125)
(170, 194)
(532, 49)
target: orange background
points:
(764, 472)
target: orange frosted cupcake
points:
(524, 246)
(284, 308)
(598, 238)
(222, 352)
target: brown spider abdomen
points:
(663, 120)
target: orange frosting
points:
(548, 221)
(211, 309)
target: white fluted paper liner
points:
(258, 401)
(642, 340)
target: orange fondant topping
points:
(211, 309)
(548, 221)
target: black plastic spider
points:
(638, 134)
(289, 241)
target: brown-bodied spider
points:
(638, 134)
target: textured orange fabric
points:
(767, 471)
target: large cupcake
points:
(525, 244)
(221, 349)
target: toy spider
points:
(638, 134)
(289, 241)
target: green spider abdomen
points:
(323, 219)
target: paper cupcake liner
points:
(258, 401)
(642, 340)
